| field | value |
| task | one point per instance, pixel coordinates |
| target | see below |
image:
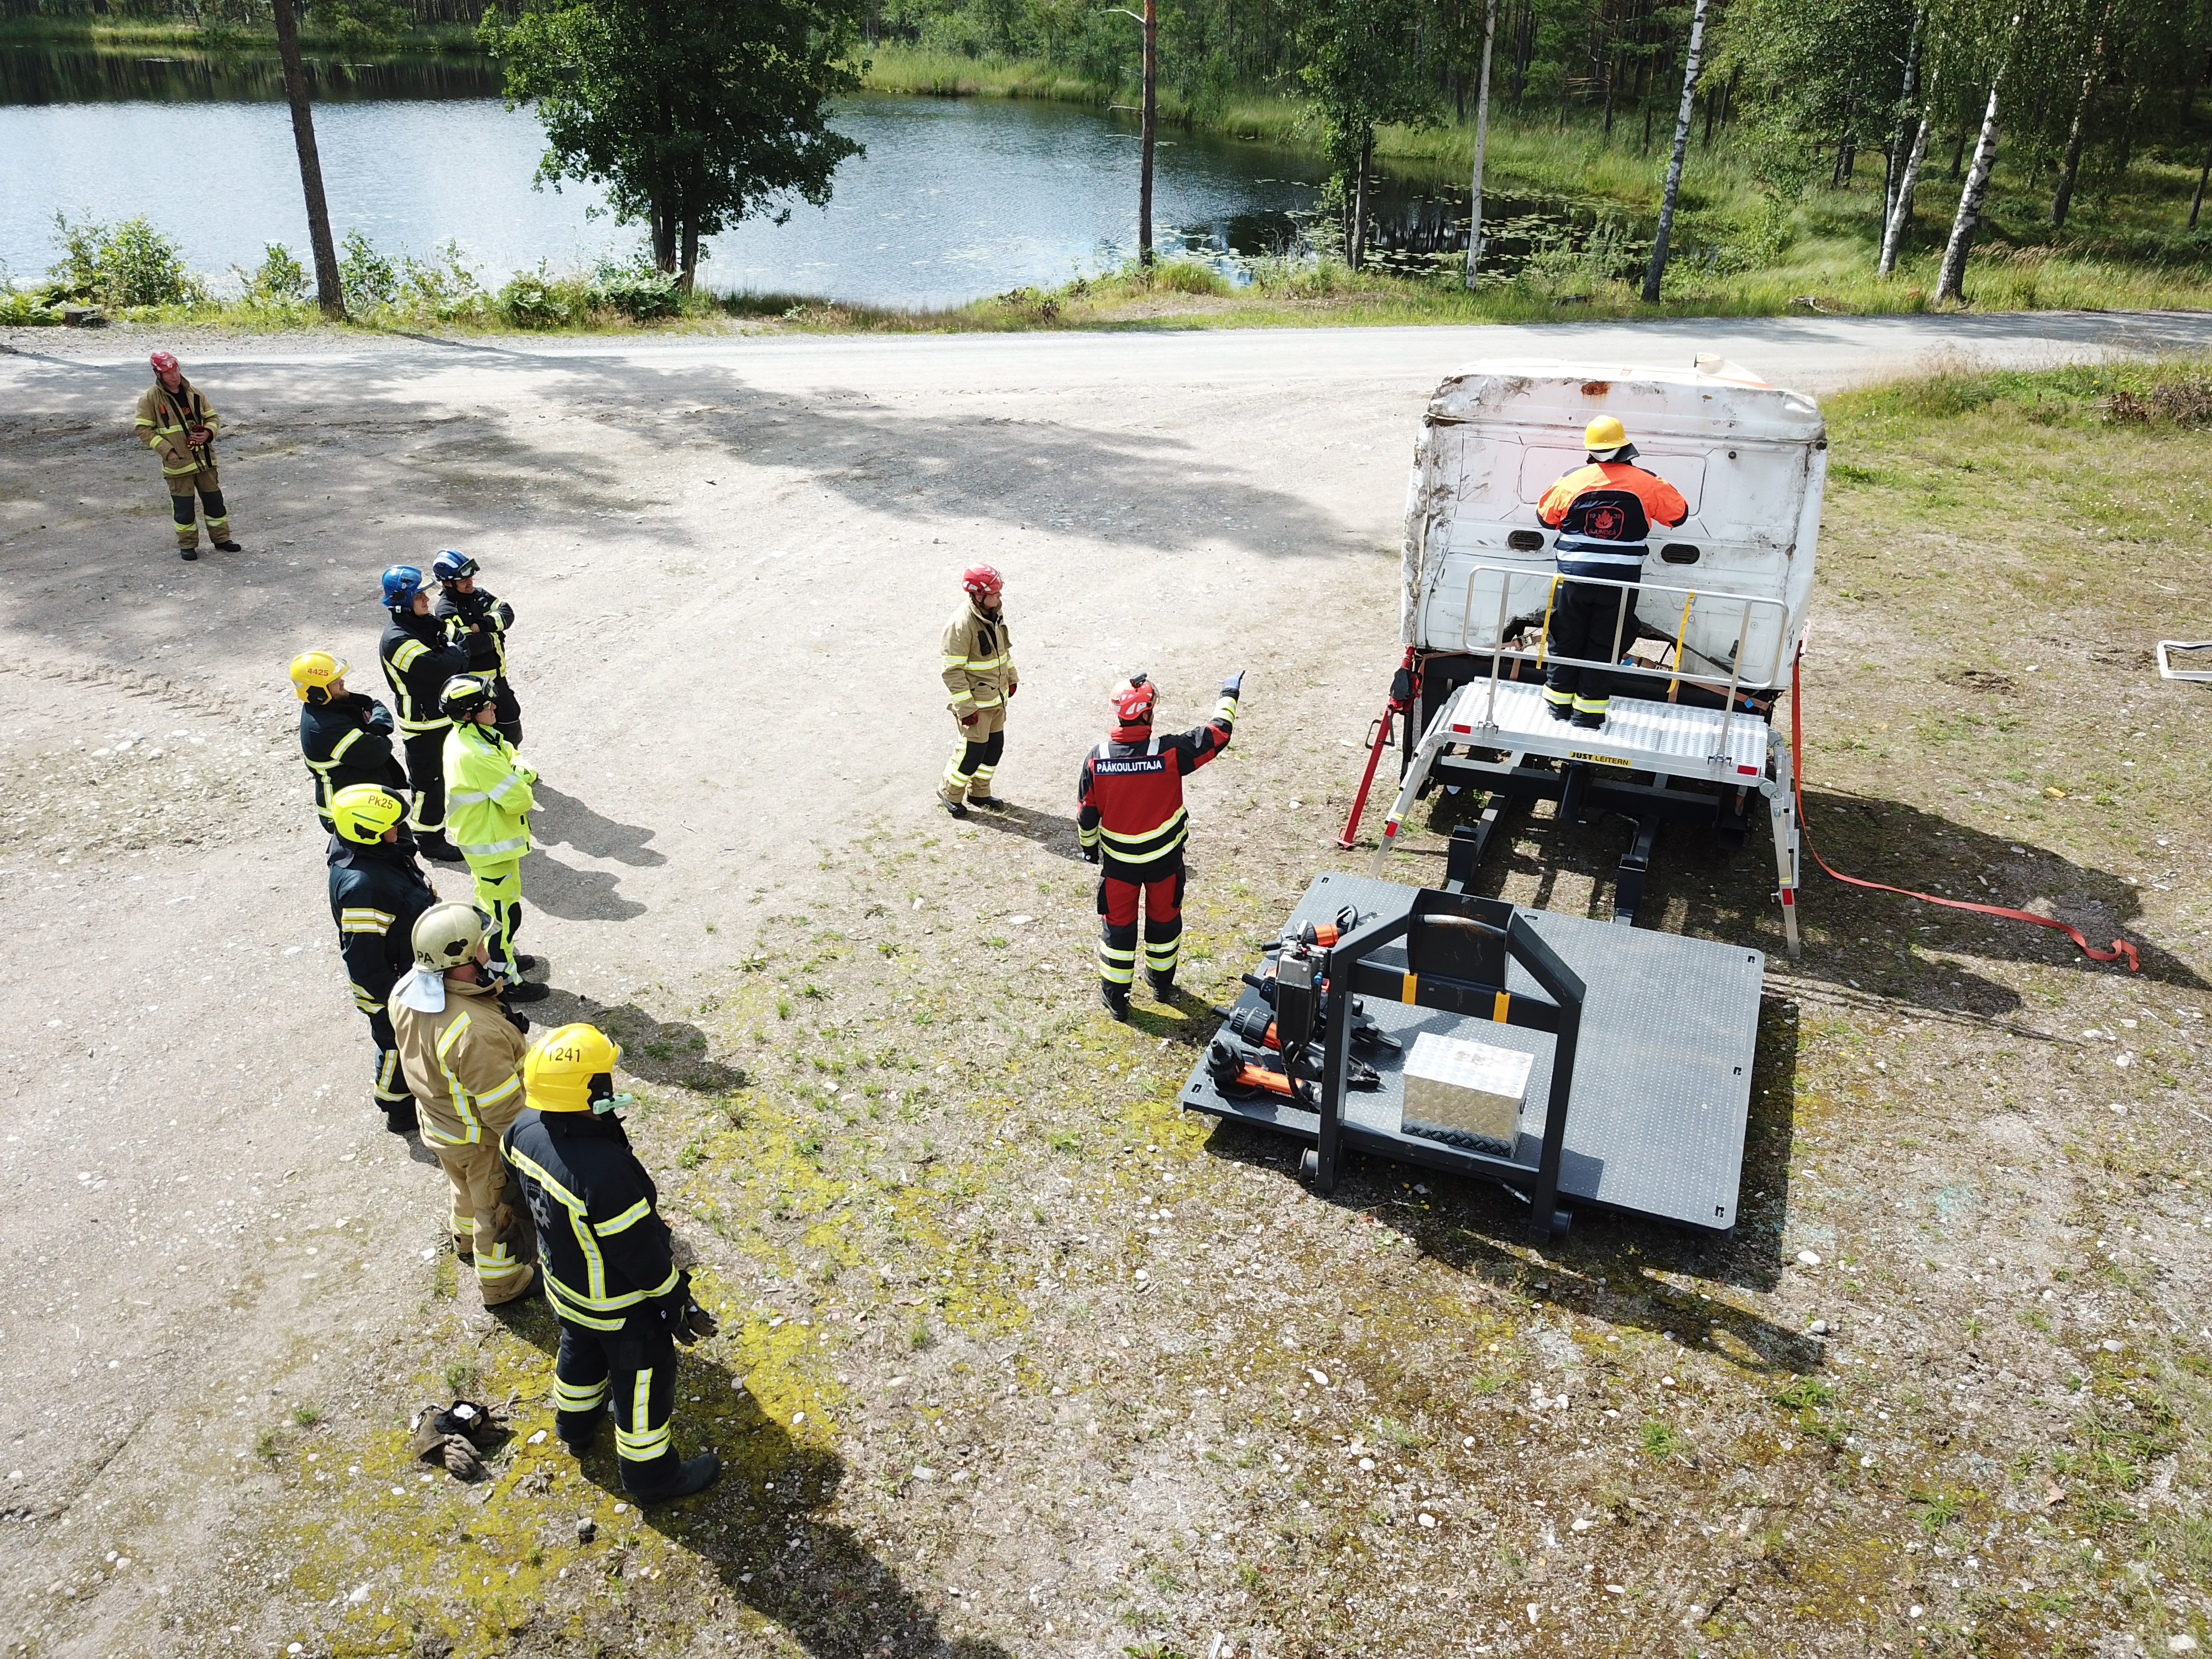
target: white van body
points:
(1749, 458)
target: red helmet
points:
(1133, 700)
(980, 579)
(165, 363)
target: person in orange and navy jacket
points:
(1131, 821)
(1602, 510)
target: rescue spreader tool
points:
(1637, 1049)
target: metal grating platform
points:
(1639, 734)
(1663, 1080)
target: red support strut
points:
(1374, 755)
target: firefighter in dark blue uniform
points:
(611, 1272)
(418, 660)
(345, 736)
(477, 621)
(377, 891)
(1131, 821)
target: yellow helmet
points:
(566, 1070)
(1604, 433)
(364, 812)
(313, 672)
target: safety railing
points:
(1552, 583)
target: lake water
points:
(954, 199)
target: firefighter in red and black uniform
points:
(1602, 510)
(1131, 820)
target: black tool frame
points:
(1349, 970)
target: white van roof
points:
(1710, 398)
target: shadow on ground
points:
(1050, 830)
(757, 1529)
(562, 819)
(659, 1051)
(1862, 941)
(574, 894)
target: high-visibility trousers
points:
(488, 1218)
(976, 750)
(426, 772)
(389, 1089)
(1585, 619)
(633, 1370)
(180, 486)
(499, 895)
(1117, 931)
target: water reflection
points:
(38, 75)
(954, 199)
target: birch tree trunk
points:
(1900, 209)
(1481, 137)
(1949, 281)
(1908, 101)
(1148, 122)
(2071, 168)
(1690, 67)
(330, 289)
(1357, 242)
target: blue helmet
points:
(451, 567)
(402, 582)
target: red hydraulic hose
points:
(1374, 758)
(2121, 951)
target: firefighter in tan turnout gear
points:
(462, 1054)
(176, 421)
(980, 678)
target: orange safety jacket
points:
(1603, 512)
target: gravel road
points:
(730, 559)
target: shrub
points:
(130, 264)
(636, 288)
(368, 277)
(534, 299)
(279, 279)
(443, 286)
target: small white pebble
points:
(1808, 1259)
(1428, 1520)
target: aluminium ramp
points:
(1665, 740)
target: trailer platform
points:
(1495, 735)
(1642, 1045)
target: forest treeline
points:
(2086, 87)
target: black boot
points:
(525, 964)
(1116, 999)
(188, 554)
(693, 1474)
(400, 1118)
(229, 547)
(435, 846)
(527, 990)
(1560, 711)
(1162, 984)
(1589, 721)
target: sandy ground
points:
(729, 560)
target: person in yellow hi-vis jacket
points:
(176, 421)
(462, 1054)
(980, 678)
(487, 807)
